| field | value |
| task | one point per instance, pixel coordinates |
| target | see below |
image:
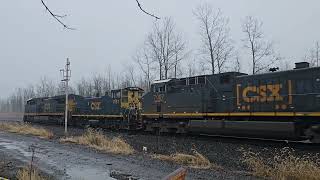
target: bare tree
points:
(180, 54)
(285, 65)
(109, 84)
(144, 11)
(237, 65)
(130, 76)
(166, 46)
(216, 44)
(59, 18)
(146, 65)
(97, 80)
(60, 90)
(262, 52)
(96, 85)
(191, 68)
(203, 68)
(46, 87)
(29, 92)
(16, 101)
(80, 87)
(84, 87)
(314, 55)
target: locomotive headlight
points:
(318, 80)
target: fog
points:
(108, 33)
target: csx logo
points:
(71, 105)
(95, 105)
(263, 93)
(158, 98)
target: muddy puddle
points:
(54, 162)
(87, 173)
(15, 147)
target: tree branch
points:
(57, 17)
(152, 15)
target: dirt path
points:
(65, 161)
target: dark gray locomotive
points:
(280, 105)
(120, 109)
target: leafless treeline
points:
(313, 56)
(165, 53)
(95, 85)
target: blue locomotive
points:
(121, 109)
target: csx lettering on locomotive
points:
(263, 93)
(95, 105)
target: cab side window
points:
(159, 88)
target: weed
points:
(196, 160)
(284, 165)
(27, 129)
(95, 139)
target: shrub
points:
(95, 139)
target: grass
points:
(284, 165)
(95, 139)
(195, 160)
(26, 174)
(27, 129)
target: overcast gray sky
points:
(108, 32)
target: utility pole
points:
(66, 74)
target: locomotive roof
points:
(53, 97)
(161, 81)
(30, 99)
(129, 88)
(206, 75)
(134, 88)
(280, 72)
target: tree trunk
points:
(253, 59)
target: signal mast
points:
(66, 75)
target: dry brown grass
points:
(24, 174)
(27, 129)
(196, 160)
(96, 139)
(284, 165)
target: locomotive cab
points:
(128, 97)
(129, 100)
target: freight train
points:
(277, 105)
